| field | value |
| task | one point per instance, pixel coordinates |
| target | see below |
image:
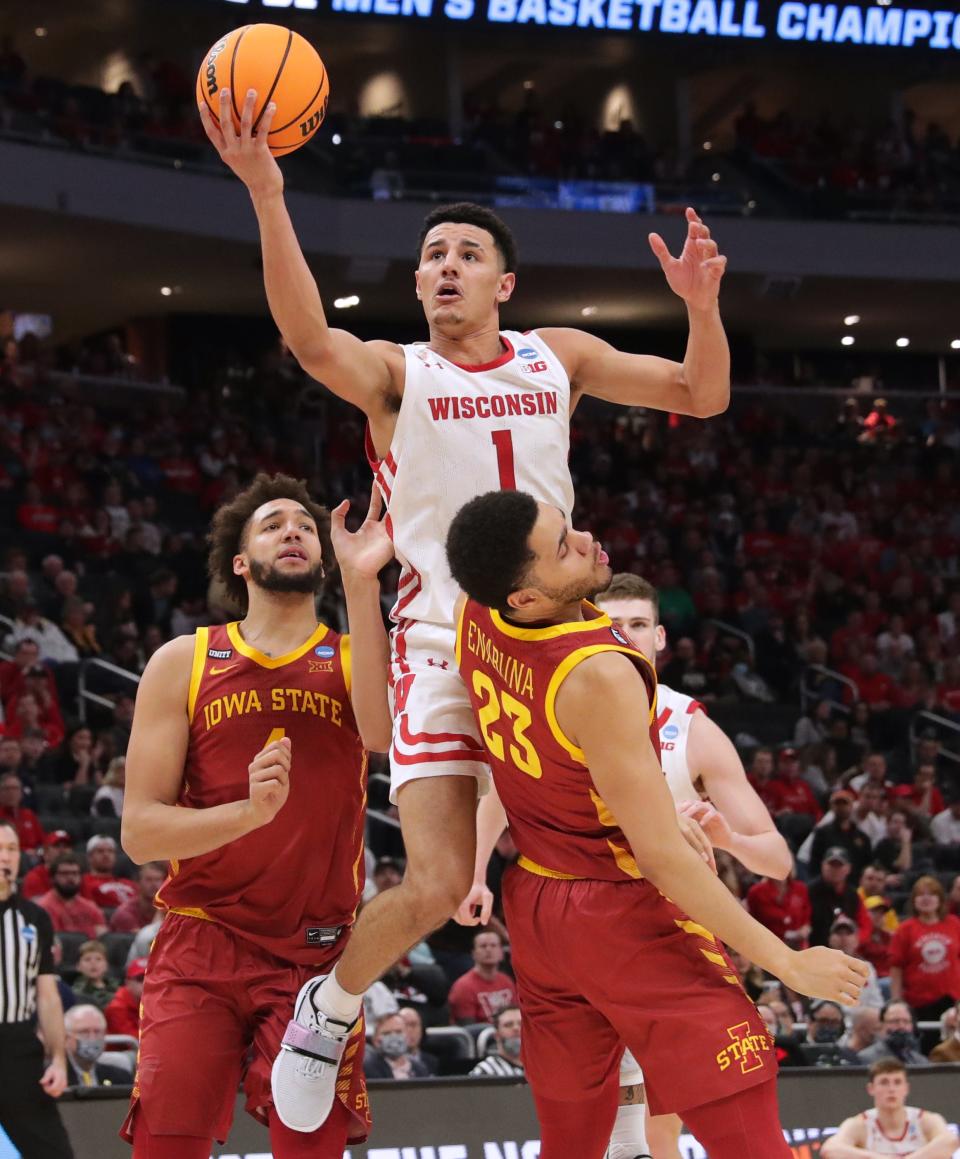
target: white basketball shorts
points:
(435, 733)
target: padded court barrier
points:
(494, 1119)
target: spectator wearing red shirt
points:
(100, 884)
(760, 776)
(25, 821)
(876, 946)
(123, 1010)
(34, 514)
(876, 688)
(26, 657)
(925, 797)
(485, 989)
(948, 690)
(140, 911)
(925, 954)
(783, 907)
(67, 910)
(38, 881)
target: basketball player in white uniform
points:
(470, 410)
(890, 1127)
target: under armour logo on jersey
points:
(444, 664)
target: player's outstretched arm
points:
(362, 555)
(737, 820)
(602, 706)
(698, 386)
(356, 371)
(154, 827)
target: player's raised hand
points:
(270, 779)
(695, 275)
(363, 553)
(710, 820)
(246, 152)
(476, 907)
(824, 973)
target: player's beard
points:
(585, 589)
(269, 578)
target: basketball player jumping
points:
(890, 1127)
(471, 409)
(247, 771)
(567, 709)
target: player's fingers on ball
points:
(226, 118)
(214, 135)
(266, 121)
(246, 115)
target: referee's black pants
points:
(27, 1113)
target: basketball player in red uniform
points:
(247, 771)
(567, 710)
(471, 409)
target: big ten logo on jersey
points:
(532, 362)
(249, 702)
(746, 1048)
(668, 738)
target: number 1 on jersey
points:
(503, 441)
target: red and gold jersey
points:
(291, 883)
(557, 818)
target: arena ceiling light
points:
(346, 303)
(955, 344)
(588, 311)
(336, 139)
(847, 340)
(40, 32)
(902, 342)
(851, 320)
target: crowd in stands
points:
(808, 564)
(832, 167)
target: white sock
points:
(629, 1137)
(336, 1002)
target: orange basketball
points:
(282, 67)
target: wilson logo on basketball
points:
(212, 85)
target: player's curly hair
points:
(228, 530)
(468, 213)
(488, 549)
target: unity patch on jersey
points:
(219, 653)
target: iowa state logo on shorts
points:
(746, 1048)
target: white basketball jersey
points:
(463, 431)
(880, 1144)
(675, 716)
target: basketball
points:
(282, 67)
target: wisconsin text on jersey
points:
(281, 700)
(514, 673)
(497, 406)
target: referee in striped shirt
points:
(28, 995)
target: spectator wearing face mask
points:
(948, 1050)
(413, 1025)
(504, 1061)
(390, 1057)
(898, 1038)
(825, 1027)
(86, 1029)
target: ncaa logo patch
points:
(219, 653)
(29, 933)
(620, 638)
(325, 652)
(670, 732)
(528, 353)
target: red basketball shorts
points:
(601, 964)
(215, 1007)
